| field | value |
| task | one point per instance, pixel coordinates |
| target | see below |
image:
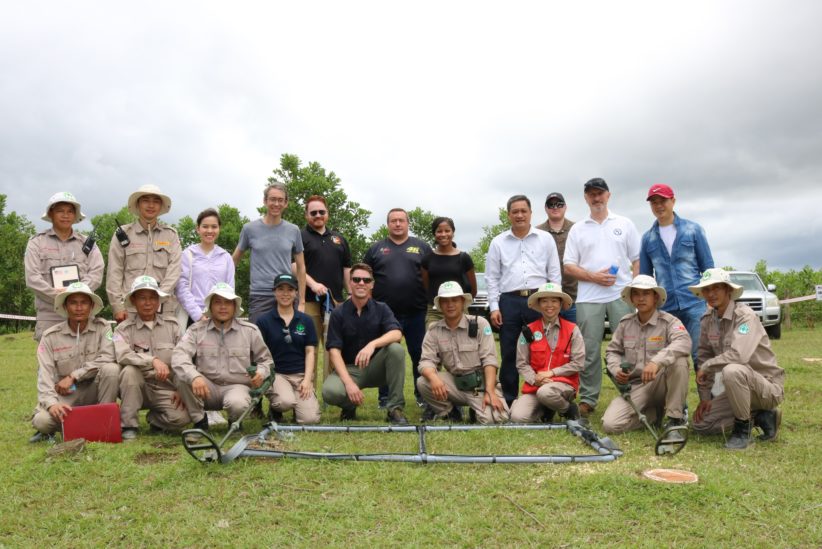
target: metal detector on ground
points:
(666, 441)
(205, 449)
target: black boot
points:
(572, 412)
(741, 435)
(202, 424)
(548, 415)
(768, 421)
(674, 436)
(455, 415)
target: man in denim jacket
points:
(676, 252)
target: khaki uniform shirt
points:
(662, 340)
(576, 358)
(456, 351)
(137, 343)
(62, 352)
(221, 356)
(737, 337)
(46, 250)
(154, 252)
(569, 284)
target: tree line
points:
(346, 216)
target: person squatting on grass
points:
(290, 336)
(549, 361)
(654, 346)
(211, 360)
(733, 343)
(464, 347)
(143, 345)
(76, 361)
(59, 248)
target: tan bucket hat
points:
(145, 282)
(223, 290)
(143, 191)
(644, 282)
(549, 289)
(717, 276)
(67, 197)
(453, 289)
(77, 288)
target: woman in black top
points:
(445, 263)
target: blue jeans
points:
(413, 329)
(570, 314)
(691, 318)
(515, 314)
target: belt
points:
(521, 293)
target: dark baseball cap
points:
(285, 279)
(554, 196)
(596, 183)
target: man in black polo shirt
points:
(363, 345)
(396, 264)
(327, 266)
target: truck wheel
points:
(775, 331)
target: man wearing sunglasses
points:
(363, 345)
(327, 267)
(557, 225)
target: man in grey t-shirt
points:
(274, 244)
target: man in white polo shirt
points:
(602, 253)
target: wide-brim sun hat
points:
(67, 197)
(77, 288)
(717, 276)
(225, 291)
(549, 289)
(453, 289)
(146, 190)
(644, 282)
(145, 282)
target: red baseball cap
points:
(660, 189)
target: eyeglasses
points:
(315, 213)
(276, 200)
(287, 336)
(362, 280)
(555, 205)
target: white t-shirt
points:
(668, 235)
(595, 246)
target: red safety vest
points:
(542, 358)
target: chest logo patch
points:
(538, 336)
(617, 231)
(336, 240)
(300, 329)
(744, 329)
(413, 250)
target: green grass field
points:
(151, 493)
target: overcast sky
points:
(450, 106)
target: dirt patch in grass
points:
(150, 458)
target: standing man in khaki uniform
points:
(465, 348)
(655, 345)
(557, 225)
(143, 345)
(55, 258)
(211, 361)
(76, 361)
(733, 342)
(154, 250)
(550, 362)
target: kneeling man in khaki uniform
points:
(733, 342)
(649, 351)
(143, 344)
(211, 361)
(465, 348)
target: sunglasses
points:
(362, 279)
(315, 213)
(555, 205)
(287, 336)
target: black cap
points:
(285, 279)
(596, 183)
(554, 196)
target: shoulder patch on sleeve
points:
(487, 331)
(109, 335)
(744, 328)
(521, 340)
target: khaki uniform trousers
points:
(462, 398)
(138, 391)
(83, 395)
(668, 390)
(284, 395)
(234, 397)
(555, 395)
(745, 390)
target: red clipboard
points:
(95, 423)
